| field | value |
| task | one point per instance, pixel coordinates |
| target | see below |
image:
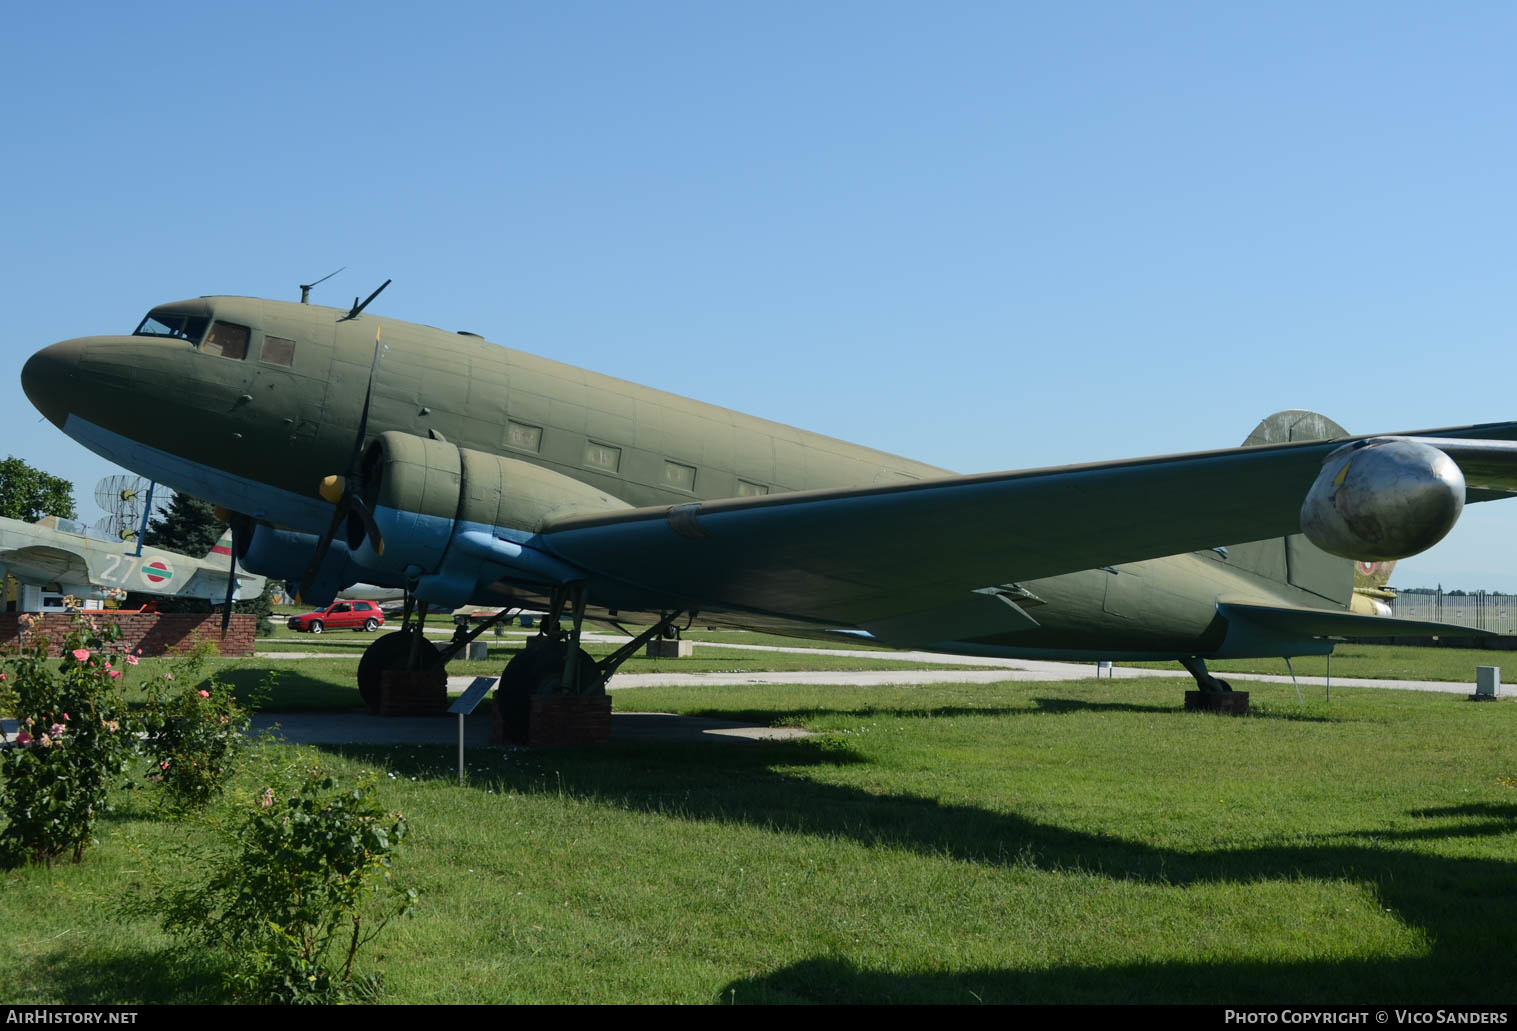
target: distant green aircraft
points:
(55, 557)
(350, 448)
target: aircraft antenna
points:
(305, 288)
(360, 307)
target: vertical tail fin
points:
(1295, 560)
(221, 551)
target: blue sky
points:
(983, 235)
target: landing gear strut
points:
(553, 663)
(407, 649)
(1212, 694)
(1205, 682)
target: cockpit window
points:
(228, 340)
(172, 324)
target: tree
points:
(190, 527)
(29, 494)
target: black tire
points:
(370, 625)
(315, 626)
(392, 651)
(537, 669)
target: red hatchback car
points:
(340, 615)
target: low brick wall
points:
(156, 633)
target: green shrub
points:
(305, 873)
(195, 732)
(72, 742)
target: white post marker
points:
(466, 704)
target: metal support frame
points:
(457, 646)
(1292, 668)
(611, 663)
(146, 513)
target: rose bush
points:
(73, 741)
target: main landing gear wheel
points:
(392, 651)
(538, 669)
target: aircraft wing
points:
(47, 564)
(859, 555)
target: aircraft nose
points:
(48, 378)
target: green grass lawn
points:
(1021, 842)
(1376, 661)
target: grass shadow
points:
(157, 977)
(1465, 907)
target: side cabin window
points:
(278, 351)
(528, 438)
(227, 339)
(751, 490)
(602, 456)
(679, 476)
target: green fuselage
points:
(280, 405)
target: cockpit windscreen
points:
(172, 324)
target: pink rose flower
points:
(2, 676)
(163, 765)
(56, 729)
(45, 741)
(82, 654)
(205, 694)
(131, 660)
(23, 738)
(115, 673)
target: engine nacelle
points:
(1383, 499)
(286, 554)
(447, 512)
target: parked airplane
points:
(55, 557)
(347, 447)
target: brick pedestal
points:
(156, 633)
(569, 720)
(1228, 703)
(413, 694)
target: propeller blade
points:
(231, 587)
(371, 528)
(363, 417)
(322, 548)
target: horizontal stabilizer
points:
(1305, 622)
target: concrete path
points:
(364, 729)
(935, 673)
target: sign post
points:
(466, 704)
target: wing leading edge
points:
(853, 556)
